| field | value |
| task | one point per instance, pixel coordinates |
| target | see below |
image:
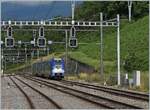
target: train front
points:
(57, 68)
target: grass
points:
(84, 58)
(144, 81)
(109, 79)
(93, 77)
(88, 77)
(134, 38)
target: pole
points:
(17, 57)
(73, 6)
(118, 48)
(26, 54)
(5, 65)
(149, 44)
(101, 44)
(1, 72)
(32, 53)
(129, 10)
(2, 61)
(47, 51)
(26, 58)
(66, 52)
(37, 53)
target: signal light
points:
(72, 32)
(41, 42)
(41, 32)
(9, 32)
(9, 42)
(73, 42)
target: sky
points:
(28, 2)
(35, 9)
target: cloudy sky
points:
(35, 9)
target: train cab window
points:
(57, 62)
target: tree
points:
(90, 10)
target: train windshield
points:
(57, 62)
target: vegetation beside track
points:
(134, 51)
(109, 78)
(134, 47)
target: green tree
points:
(90, 10)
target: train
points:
(53, 69)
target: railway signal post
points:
(41, 41)
(9, 40)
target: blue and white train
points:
(53, 69)
(57, 68)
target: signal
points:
(41, 32)
(9, 42)
(9, 31)
(41, 42)
(73, 42)
(72, 32)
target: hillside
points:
(134, 47)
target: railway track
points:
(129, 94)
(101, 101)
(36, 90)
(32, 106)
